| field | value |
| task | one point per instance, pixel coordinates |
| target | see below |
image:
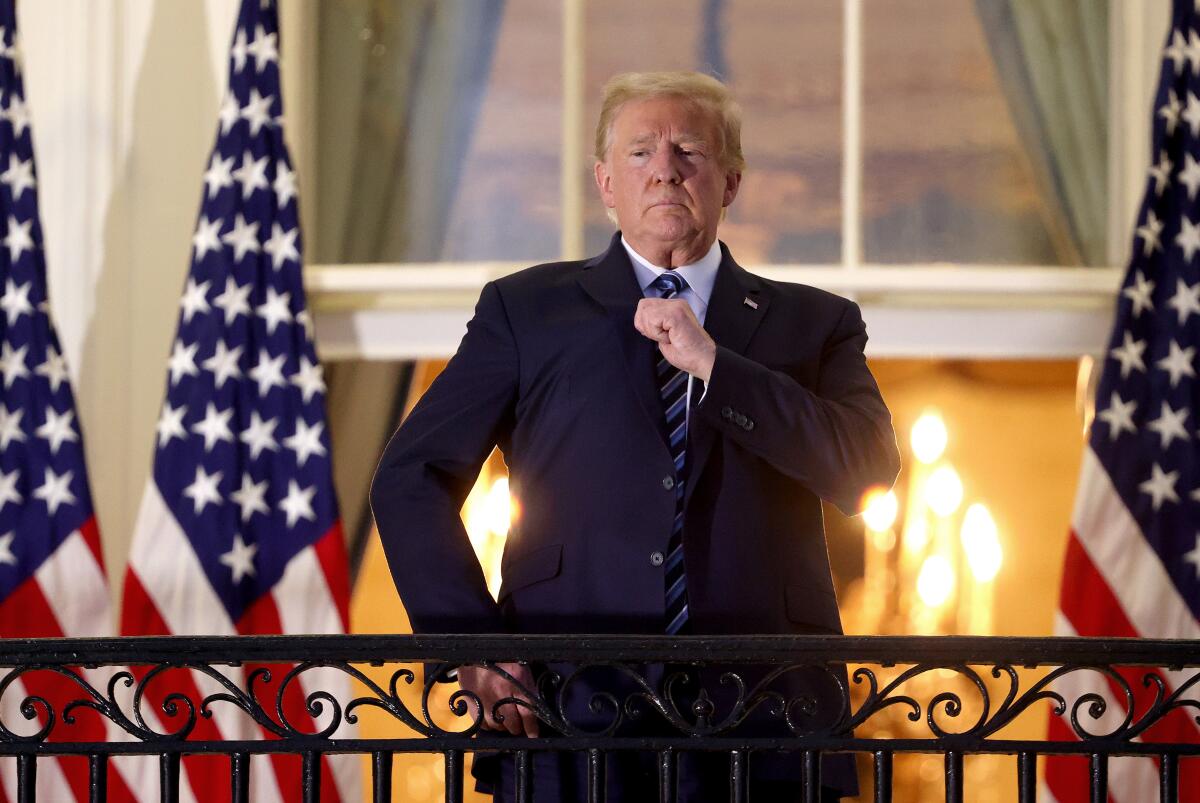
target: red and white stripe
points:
(67, 596)
(1115, 585)
(167, 593)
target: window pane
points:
(783, 62)
(983, 132)
(439, 130)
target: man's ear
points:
(733, 180)
(604, 184)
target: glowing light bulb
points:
(981, 542)
(929, 437)
(935, 582)
(879, 509)
(916, 537)
(944, 491)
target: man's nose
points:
(666, 167)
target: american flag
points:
(238, 531)
(1133, 558)
(52, 579)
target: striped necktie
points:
(672, 385)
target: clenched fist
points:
(671, 323)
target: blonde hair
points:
(695, 87)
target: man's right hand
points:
(491, 688)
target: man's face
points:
(663, 175)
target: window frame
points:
(420, 310)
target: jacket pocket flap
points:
(540, 564)
(813, 606)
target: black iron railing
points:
(942, 695)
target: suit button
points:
(740, 420)
(749, 425)
(726, 412)
(656, 559)
(668, 482)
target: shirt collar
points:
(700, 275)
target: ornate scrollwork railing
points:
(881, 695)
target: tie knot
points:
(669, 284)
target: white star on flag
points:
(218, 176)
(1160, 486)
(243, 237)
(54, 369)
(1186, 300)
(275, 310)
(1170, 112)
(207, 237)
(310, 379)
(235, 300)
(6, 555)
(1118, 415)
(298, 503)
(257, 111)
(182, 362)
(18, 176)
(55, 491)
(285, 184)
(19, 238)
(224, 364)
(263, 48)
(195, 298)
(203, 490)
(170, 424)
(17, 113)
(12, 363)
(1169, 425)
(15, 301)
(282, 246)
(240, 559)
(8, 488)
(268, 372)
(1129, 354)
(1178, 362)
(214, 426)
(251, 497)
(1150, 233)
(260, 435)
(252, 175)
(57, 429)
(229, 114)
(238, 50)
(10, 426)
(306, 441)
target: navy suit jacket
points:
(552, 370)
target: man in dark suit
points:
(670, 421)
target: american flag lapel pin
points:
(749, 302)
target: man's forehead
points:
(650, 118)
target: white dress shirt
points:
(700, 277)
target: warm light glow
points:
(935, 583)
(880, 508)
(944, 491)
(929, 437)
(498, 508)
(916, 537)
(981, 542)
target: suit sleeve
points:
(836, 439)
(429, 467)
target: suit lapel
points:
(609, 279)
(738, 304)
